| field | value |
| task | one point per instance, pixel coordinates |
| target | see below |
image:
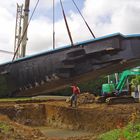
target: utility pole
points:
(25, 26)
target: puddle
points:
(62, 133)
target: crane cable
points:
(53, 24)
(83, 19)
(67, 26)
(25, 30)
(8, 52)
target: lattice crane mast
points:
(21, 29)
(18, 29)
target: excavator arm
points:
(124, 77)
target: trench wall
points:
(95, 120)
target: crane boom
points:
(25, 25)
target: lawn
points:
(130, 132)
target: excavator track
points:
(120, 100)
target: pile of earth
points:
(84, 98)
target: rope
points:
(53, 24)
(68, 30)
(8, 52)
(25, 30)
(83, 19)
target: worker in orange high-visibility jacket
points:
(75, 92)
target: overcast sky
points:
(104, 17)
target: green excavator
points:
(113, 93)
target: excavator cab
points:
(108, 89)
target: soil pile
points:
(84, 98)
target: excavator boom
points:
(124, 77)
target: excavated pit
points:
(95, 118)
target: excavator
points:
(113, 93)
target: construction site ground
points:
(51, 118)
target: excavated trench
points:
(91, 118)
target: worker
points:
(136, 91)
(129, 89)
(75, 93)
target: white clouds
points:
(7, 25)
(104, 17)
(122, 15)
(45, 3)
(39, 34)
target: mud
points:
(87, 118)
(62, 133)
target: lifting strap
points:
(67, 26)
(83, 19)
(53, 24)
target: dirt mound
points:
(84, 98)
(10, 130)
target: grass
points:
(20, 99)
(37, 98)
(130, 132)
(14, 99)
(111, 135)
(4, 127)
